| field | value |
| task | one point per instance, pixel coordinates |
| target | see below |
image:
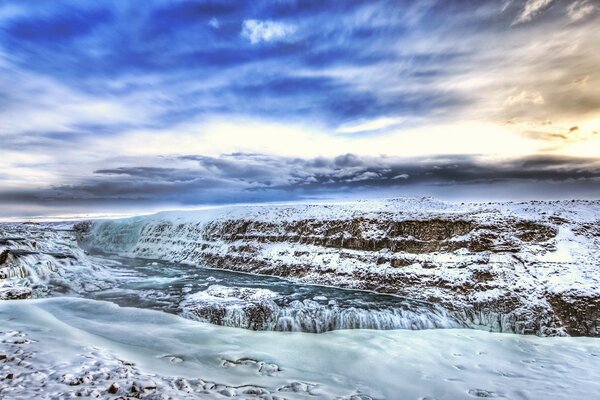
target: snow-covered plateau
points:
(151, 306)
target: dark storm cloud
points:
(242, 177)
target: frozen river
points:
(260, 302)
(73, 345)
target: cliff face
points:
(527, 267)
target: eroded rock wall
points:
(526, 267)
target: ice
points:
(225, 294)
(263, 309)
(94, 345)
(45, 259)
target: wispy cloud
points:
(370, 125)
(580, 9)
(100, 86)
(265, 31)
(524, 98)
(531, 9)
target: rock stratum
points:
(530, 268)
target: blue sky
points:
(131, 105)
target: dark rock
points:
(4, 256)
(114, 388)
(83, 227)
(143, 386)
(16, 293)
(579, 314)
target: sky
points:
(134, 106)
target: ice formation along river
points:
(101, 325)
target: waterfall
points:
(260, 309)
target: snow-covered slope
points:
(65, 348)
(527, 267)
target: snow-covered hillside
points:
(530, 267)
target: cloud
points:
(401, 176)
(242, 177)
(264, 171)
(580, 9)
(531, 9)
(370, 125)
(214, 22)
(525, 97)
(111, 86)
(416, 63)
(265, 31)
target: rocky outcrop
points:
(570, 309)
(359, 233)
(15, 293)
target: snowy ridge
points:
(527, 267)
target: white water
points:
(311, 316)
(264, 309)
(401, 364)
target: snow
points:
(529, 269)
(66, 347)
(220, 293)
(48, 258)
(98, 344)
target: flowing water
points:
(260, 302)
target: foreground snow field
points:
(62, 347)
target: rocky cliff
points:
(524, 267)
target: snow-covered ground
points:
(63, 347)
(102, 325)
